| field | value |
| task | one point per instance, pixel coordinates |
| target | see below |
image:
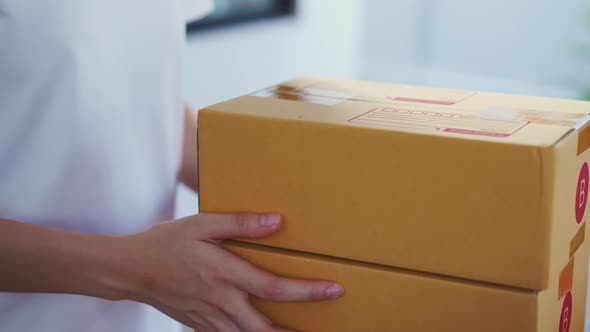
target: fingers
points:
(224, 226)
(266, 285)
(291, 290)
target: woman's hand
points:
(179, 268)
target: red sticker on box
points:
(566, 314)
(582, 193)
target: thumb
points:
(225, 226)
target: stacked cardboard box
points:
(437, 209)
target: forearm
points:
(39, 259)
(189, 173)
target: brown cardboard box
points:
(473, 185)
(479, 186)
(380, 299)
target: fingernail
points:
(270, 220)
(334, 291)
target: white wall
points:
(524, 46)
(322, 39)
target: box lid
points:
(431, 111)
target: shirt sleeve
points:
(196, 9)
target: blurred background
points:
(539, 47)
(533, 47)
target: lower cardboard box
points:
(380, 298)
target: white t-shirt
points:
(91, 124)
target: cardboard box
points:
(380, 299)
(473, 185)
(438, 210)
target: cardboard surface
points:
(388, 299)
(478, 186)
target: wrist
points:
(110, 269)
(126, 269)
